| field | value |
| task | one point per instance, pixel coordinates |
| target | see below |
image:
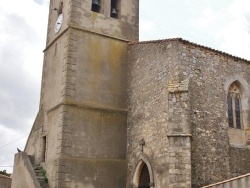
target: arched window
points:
(234, 106)
(143, 175)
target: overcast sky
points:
(221, 24)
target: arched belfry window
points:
(234, 106)
(114, 8)
(96, 5)
(60, 8)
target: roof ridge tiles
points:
(190, 43)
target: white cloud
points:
(22, 39)
(206, 18)
(235, 35)
(147, 28)
(146, 25)
(223, 25)
(238, 8)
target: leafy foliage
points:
(43, 172)
(4, 172)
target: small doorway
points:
(144, 179)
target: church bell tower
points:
(82, 119)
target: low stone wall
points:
(239, 182)
(239, 161)
(5, 181)
(24, 175)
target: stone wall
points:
(239, 161)
(23, 173)
(211, 73)
(85, 117)
(5, 181)
(162, 104)
(151, 108)
(179, 134)
(33, 143)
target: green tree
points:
(4, 172)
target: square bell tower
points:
(79, 135)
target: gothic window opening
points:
(144, 181)
(96, 6)
(234, 106)
(114, 9)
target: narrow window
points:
(230, 111)
(234, 106)
(237, 113)
(96, 6)
(114, 9)
(44, 148)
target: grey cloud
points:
(19, 94)
(16, 27)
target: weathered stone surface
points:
(194, 83)
(83, 107)
(107, 106)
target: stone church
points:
(118, 113)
